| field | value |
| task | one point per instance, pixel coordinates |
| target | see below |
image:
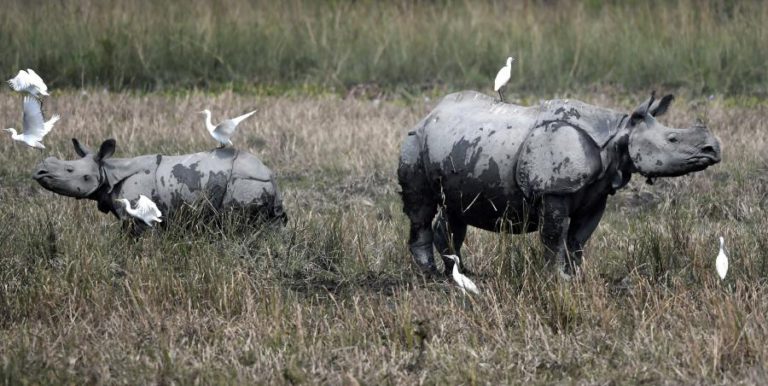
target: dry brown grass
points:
(333, 295)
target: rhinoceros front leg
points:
(554, 232)
(449, 233)
(581, 229)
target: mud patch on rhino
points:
(459, 160)
(188, 176)
(216, 188)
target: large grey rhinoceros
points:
(224, 178)
(547, 168)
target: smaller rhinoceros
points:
(547, 168)
(223, 178)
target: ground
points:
(333, 296)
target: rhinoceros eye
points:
(86, 177)
(672, 138)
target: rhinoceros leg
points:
(419, 203)
(420, 208)
(449, 233)
(420, 239)
(581, 229)
(554, 232)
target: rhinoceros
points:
(224, 178)
(546, 168)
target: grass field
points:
(400, 47)
(333, 297)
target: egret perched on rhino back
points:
(502, 77)
(35, 126)
(551, 167)
(146, 210)
(29, 82)
(223, 132)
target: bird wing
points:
(239, 119)
(502, 77)
(721, 264)
(34, 124)
(36, 80)
(20, 81)
(49, 125)
(225, 129)
(148, 207)
(469, 285)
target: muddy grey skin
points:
(225, 178)
(547, 168)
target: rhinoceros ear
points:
(80, 149)
(661, 106)
(642, 110)
(106, 150)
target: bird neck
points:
(208, 124)
(128, 208)
(455, 267)
(14, 135)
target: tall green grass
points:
(706, 46)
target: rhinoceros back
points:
(470, 141)
(223, 177)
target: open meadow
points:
(333, 295)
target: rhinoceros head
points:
(77, 178)
(660, 151)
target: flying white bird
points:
(145, 210)
(35, 127)
(29, 82)
(224, 130)
(462, 281)
(721, 263)
(502, 77)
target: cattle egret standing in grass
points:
(35, 127)
(462, 281)
(502, 77)
(224, 130)
(145, 210)
(29, 82)
(721, 263)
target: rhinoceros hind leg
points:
(449, 233)
(420, 239)
(419, 203)
(420, 207)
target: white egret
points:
(721, 263)
(145, 210)
(224, 130)
(35, 127)
(464, 283)
(502, 77)
(29, 82)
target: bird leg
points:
(501, 96)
